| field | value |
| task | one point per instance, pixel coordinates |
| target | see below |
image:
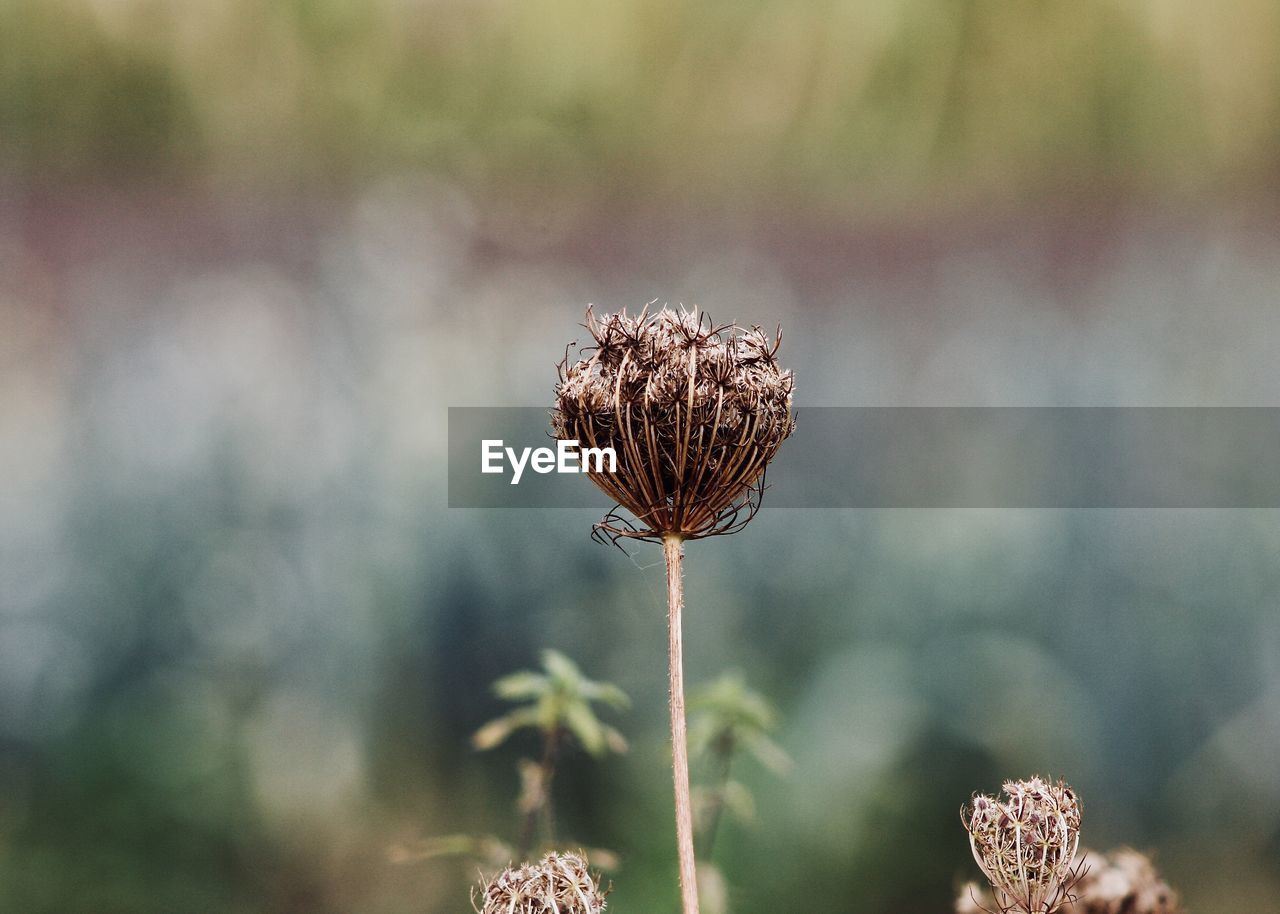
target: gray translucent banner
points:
(944, 457)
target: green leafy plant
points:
(728, 719)
(558, 703)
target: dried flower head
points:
(694, 412)
(1121, 882)
(1025, 845)
(558, 884)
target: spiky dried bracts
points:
(693, 411)
(1025, 842)
(557, 884)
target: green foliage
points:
(726, 718)
(74, 102)
(858, 100)
(727, 715)
(557, 700)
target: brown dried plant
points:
(1123, 881)
(694, 413)
(557, 884)
(1025, 844)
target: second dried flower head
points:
(693, 411)
(557, 884)
(1025, 843)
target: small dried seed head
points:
(1025, 844)
(557, 884)
(694, 412)
(1123, 881)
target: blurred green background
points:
(250, 251)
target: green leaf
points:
(726, 715)
(766, 752)
(731, 702)
(496, 731)
(521, 685)
(616, 742)
(606, 692)
(561, 668)
(703, 732)
(582, 723)
(557, 699)
(739, 802)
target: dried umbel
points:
(558, 884)
(694, 412)
(1121, 882)
(1025, 844)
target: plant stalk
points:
(673, 551)
(546, 771)
(724, 749)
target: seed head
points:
(558, 884)
(694, 412)
(1025, 844)
(1123, 881)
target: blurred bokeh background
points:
(250, 251)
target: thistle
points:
(1026, 844)
(694, 413)
(558, 884)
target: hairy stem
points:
(673, 551)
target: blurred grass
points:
(872, 102)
